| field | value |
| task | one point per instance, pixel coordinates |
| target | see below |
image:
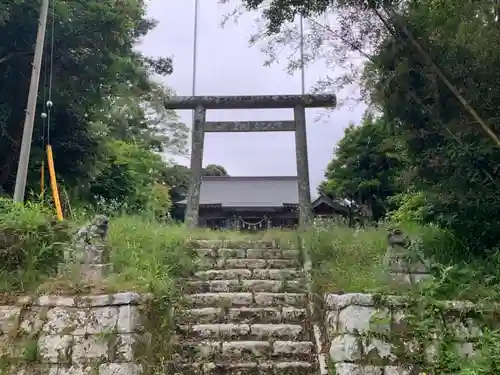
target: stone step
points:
(246, 350)
(248, 253)
(244, 332)
(245, 312)
(243, 286)
(262, 299)
(245, 315)
(230, 244)
(246, 274)
(230, 263)
(277, 367)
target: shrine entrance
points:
(200, 104)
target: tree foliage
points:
(128, 176)
(452, 164)
(214, 170)
(367, 166)
(177, 177)
(107, 105)
(341, 36)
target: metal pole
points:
(195, 53)
(303, 73)
(197, 139)
(195, 47)
(22, 167)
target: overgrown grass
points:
(346, 259)
(30, 245)
(352, 260)
(147, 255)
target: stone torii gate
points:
(200, 104)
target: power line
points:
(51, 70)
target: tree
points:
(177, 177)
(130, 178)
(455, 164)
(214, 170)
(339, 35)
(102, 87)
(367, 166)
(430, 69)
(278, 12)
(140, 116)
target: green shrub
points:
(128, 180)
(412, 206)
(31, 244)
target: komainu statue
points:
(403, 263)
(89, 249)
(396, 238)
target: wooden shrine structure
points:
(200, 105)
(257, 202)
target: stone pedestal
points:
(88, 256)
(403, 267)
(95, 272)
(87, 272)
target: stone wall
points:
(65, 335)
(369, 334)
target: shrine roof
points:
(258, 191)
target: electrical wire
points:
(51, 69)
(48, 78)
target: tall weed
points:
(346, 259)
(31, 245)
(148, 255)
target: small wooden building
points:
(253, 203)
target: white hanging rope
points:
(242, 224)
(249, 223)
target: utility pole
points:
(302, 69)
(195, 50)
(24, 156)
(195, 47)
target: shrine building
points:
(253, 203)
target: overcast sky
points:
(228, 66)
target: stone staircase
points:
(247, 312)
